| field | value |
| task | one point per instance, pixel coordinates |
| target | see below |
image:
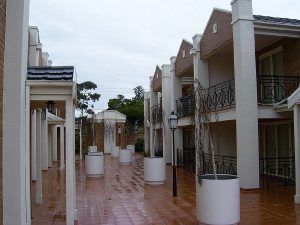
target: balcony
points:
(185, 106)
(157, 114)
(274, 89)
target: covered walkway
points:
(120, 197)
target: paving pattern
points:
(121, 197)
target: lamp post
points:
(173, 125)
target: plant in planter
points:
(154, 166)
(218, 195)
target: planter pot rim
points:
(153, 157)
(219, 176)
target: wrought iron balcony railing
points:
(273, 89)
(185, 106)
(224, 164)
(220, 96)
(186, 157)
(279, 170)
(157, 114)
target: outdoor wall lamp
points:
(50, 106)
(173, 121)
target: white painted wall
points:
(224, 138)
(220, 70)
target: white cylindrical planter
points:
(154, 170)
(132, 147)
(125, 156)
(92, 148)
(219, 200)
(94, 164)
(115, 151)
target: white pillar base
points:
(297, 199)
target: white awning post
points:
(38, 184)
(54, 142)
(44, 132)
(33, 145)
(62, 147)
(50, 146)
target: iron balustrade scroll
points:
(157, 114)
(220, 96)
(185, 106)
(224, 164)
(273, 89)
(279, 170)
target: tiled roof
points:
(276, 20)
(64, 73)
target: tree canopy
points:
(86, 97)
(133, 108)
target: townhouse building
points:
(249, 68)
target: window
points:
(183, 53)
(215, 28)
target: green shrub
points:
(139, 145)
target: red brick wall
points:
(157, 82)
(210, 41)
(184, 65)
(291, 55)
(2, 47)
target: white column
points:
(166, 105)
(146, 121)
(39, 177)
(54, 143)
(70, 182)
(297, 152)
(201, 72)
(62, 147)
(44, 132)
(33, 145)
(153, 101)
(80, 140)
(176, 94)
(246, 94)
(15, 164)
(50, 146)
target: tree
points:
(132, 108)
(86, 97)
(85, 101)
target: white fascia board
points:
(49, 83)
(294, 98)
(50, 97)
(277, 29)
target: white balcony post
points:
(44, 132)
(201, 72)
(153, 102)
(246, 94)
(39, 177)
(54, 143)
(33, 145)
(70, 169)
(297, 151)
(50, 146)
(80, 140)
(15, 157)
(62, 147)
(166, 105)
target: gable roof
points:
(157, 82)
(55, 73)
(184, 60)
(276, 20)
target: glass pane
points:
(265, 66)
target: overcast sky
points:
(118, 43)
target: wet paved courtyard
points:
(121, 197)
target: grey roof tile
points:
(50, 73)
(276, 20)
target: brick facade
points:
(211, 42)
(184, 60)
(2, 48)
(291, 55)
(157, 82)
